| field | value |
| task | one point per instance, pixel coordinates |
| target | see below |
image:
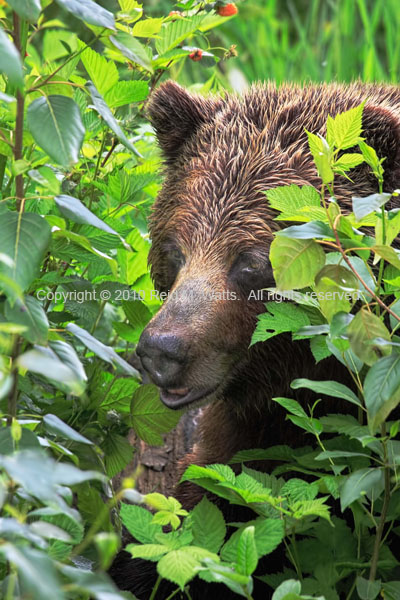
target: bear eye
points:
(252, 272)
(176, 256)
(252, 266)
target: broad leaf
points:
(364, 206)
(30, 314)
(178, 566)
(149, 416)
(10, 60)
(56, 426)
(382, 389)
(105, 112)
(344, 130)
(55, 123)
(74, 209)
(208, 526)
(247, 557)
(132, 49)
(89, 11)
(328, 388)
(24, 238)
(268, 534)
(45, 362)
(295, 262)
(102, 72)
(281, 317)
(139, 523)
(176, 32)
(336, 288)
(359, 484)
(362, 332)
(126, 92)
(27, 9)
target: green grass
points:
(315, 40)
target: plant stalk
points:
(19, 122)
(385, 506)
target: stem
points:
(101, 310)
(3, 162)
(13, 397)
(19, 123)
(347, 261)
(174, 593)
(386, 500)
(155, 588)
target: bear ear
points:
(176, 114)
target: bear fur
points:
(211, 228)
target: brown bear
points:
(211, 228)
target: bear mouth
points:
(180, 397)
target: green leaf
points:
(297, 490)
(147, 551)
(344, 130)
(292, 406)
(149, 416)
(362, 331)
(247, 557)
(45, 362)
(147, 27)
(56, 125)
(347, 162)
(36, 571)
(175, 32)
(107, 544)
(105, 352)
(132, 49)
(56, 426)
(336, 288)
(322, 155)
(382, 389)
(10, 60)
(360, 483)
(365, 206)
(268, 534)
(281, 317)
(295, 262)
(101, 71)
(296, 203)
(118, 453)
(367, 590)
(26, 9)
(286, 589)
(308, 231)
(239, 584)
(73, 209)
(178, 566)
(109, 118)
(89, 11)
(139, 523)
(372, 159)
(319, 348)
(388, 253)
(126, 92)
(24, 238)
(31, 315)
(208, 526)
(216, 472)
(328, 388)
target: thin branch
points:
(347, 261)
(19, 123)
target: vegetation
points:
(79, 170)
(349, 310)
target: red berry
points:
(175, 13)
(227, 11)
(196, 55)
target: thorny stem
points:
(19, 123)
(347, 261)
(386, 500)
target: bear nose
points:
(163, 356)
